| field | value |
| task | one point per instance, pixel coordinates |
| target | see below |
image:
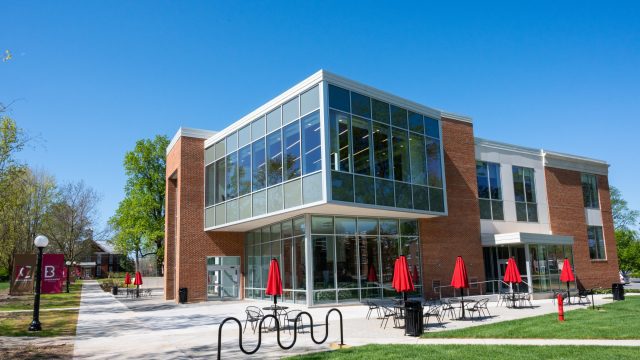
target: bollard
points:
(560, 307)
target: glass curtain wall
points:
(284, 242)
(270, 164)
(382, 154)
(353, 258)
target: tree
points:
(623, 217)
(627, 239)
(139, 219)
(70, 220)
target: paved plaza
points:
(151, 328)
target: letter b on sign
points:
(49, 271)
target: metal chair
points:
(373, 306)
(433, 311)
(386, 314)
(447, 307)
(290, 318)
(254, 315)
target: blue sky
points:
(90, 78)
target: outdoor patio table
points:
(275, 309)
(462, 302)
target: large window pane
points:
(309, 100)
(287, 263)
(420, 197)
(380, 111)
(403, 195)
(259, 166)
(341, 186)
(290, 111)
(364, 189)
(411, 249)
(300, 263)
(209, 181)
(494, 180)
(518, 183)
(339, 132)
(360, 105)
(382, 151)
(322, 225)
(431, 127)
(485, 209)
(590, 191)
(291, 134)
(232, 142)
(257, 129)
(389, 227)
(384, 193)
(367, 226)
(346, 261)
(388, 253)
(361, 140)
(311, 143)
(416, 123)
(369, 257)
(232, 175)
(339, 98)
(323, 261)
(274, 158)
(436, 199)
(401, 164)
(418, 160)
(398, 116)
(345, 225)
(244, 170)
(274, 119)
(482, 177)
(244, 136)
(434, 165)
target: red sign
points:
(52, 267)
(23, 274)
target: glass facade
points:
(268, 165)
(525, 194)
(353, 258)
(590, 191)
(489, 190)
(284, 241)
(382, 154)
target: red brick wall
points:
(443, 238)
(186, 257)
(566, 213)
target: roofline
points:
(506, 146)
(323, 75)
(189, 132)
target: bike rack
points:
(295, 331)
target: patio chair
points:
(473, 308)
(254, 315)
(386, 314)
(433, 311)
(524, 298)
(447, 308)
(290, 320)
(373, 306)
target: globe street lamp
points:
(40, 242)
(68, 263)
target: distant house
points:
(99, 260)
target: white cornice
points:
(508, 147)
(189, 132)
(323, 75)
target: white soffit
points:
(189, 132)
(521, 238)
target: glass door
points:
(222, 277)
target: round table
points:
(275, 309)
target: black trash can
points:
(617, 290)
(413, 323)
(114, 290)
(182, 295)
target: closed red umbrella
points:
(460, 280)
(402, 277)
(511, 273)
(274, 281)
(372, 276)
(127, 279)
(137, 282)
(395, 271)
(567, 276)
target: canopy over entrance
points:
(521, 238)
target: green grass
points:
(47, 301)
(54, 323)
(619, 320)
(4, 285)
(461, 352)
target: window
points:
(311, 143)
(340, 124)
(258, 168)
(361, 145)
(525, 194)
(590, 191)
(291, 134)
(596, 243)
(274, 158)
(209, 177)
(489, 190)
(244, 170)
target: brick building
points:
(335, 179)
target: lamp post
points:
(68, 263)
(40, 242)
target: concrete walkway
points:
(151, 328)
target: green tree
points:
(139, 219)
(623, 217)
(627, 239)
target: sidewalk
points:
(151, 328)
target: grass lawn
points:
(460, 352)
(619, 320)
(47, 301)
(4, 285)
(54, 323)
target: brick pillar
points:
(170, 239)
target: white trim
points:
(575, 163)
(458, 117)
(189, 132)
(508, 147)
(525, 238)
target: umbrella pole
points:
(568, 294)
(462, 302)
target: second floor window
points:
(525, 194)
(489, 190)
(590, 191)
(596, 243)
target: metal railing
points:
(295, 331)
(488, 287)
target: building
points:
(98, 261)
(335, 179)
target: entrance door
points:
(502, 269)
(222, 278)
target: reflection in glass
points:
(346, 261)
(364, 189)
(380, 111)
(369, 268)
(416, 123)
(389, 253)
(291, 134)
(434, 163)
(398, 116)
(339, 132)
(382, 151)
(401, 164)
(342, 186)
(361, 146)
(418, 160)
(360, 105)
(311, 143)
(323, 261)
(274, 158)
(339, 98)
(232, 175)
(384, 193)
(209, 180)
(244, 170)
(259, 167)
